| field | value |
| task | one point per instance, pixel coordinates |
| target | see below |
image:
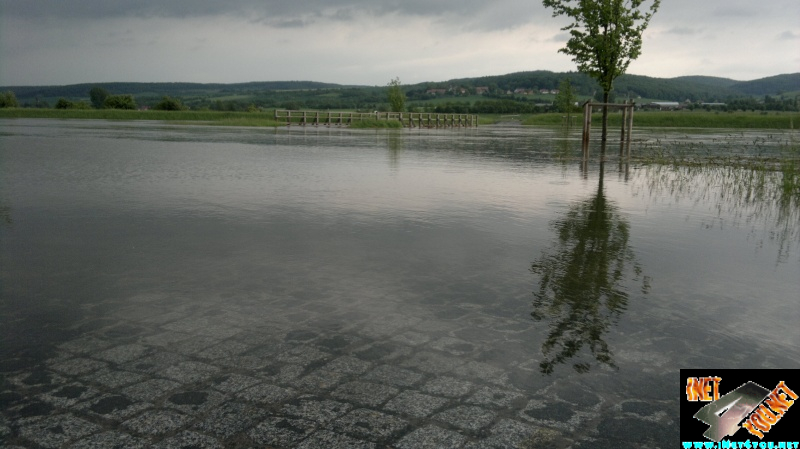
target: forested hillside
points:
(512, 93)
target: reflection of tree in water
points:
(581, 280)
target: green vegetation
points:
(170, 104)
(687, 119)
(119, 102)
(8, 100)
(63, 103)
(515, 93)
(205, 117)
(397, 98)
(605, 36)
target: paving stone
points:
(203, 326)
(157, 422)
(113, 379)
(111, 440)
(68, 395)
(223, 350)
(232, 383)
(316, 410)
(190, 372)
(115, 407)
(392, 375)
(383, 351)
(432, 437)
(123, 353)
(337, 343)
(365, 393)
(78, 366)
(281, 432)
(430, 362)
(195, 344)
(55, 431)
(150, 390)
(245, 362)
(85, 345)
(165, 339)
(455, 346)
(448, 386)
(370, 425)
(494, 397)
(508, 434)
(38, 378)
(348, 365)
(154, 363)
(415, 404)
(188, 439)
(483, 371)
(329, 440)
(467, 417)
(230, 418)
(319, 381)
(411, 338)
(194, 402)
(303, 356)
(266, 394)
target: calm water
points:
(488, 246)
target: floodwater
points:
(322, 287)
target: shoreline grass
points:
(654, 119)
(681, 119)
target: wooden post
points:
(630, 130)
(288, 118)
(624, 125)
(587, 126)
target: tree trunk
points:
(605, 125)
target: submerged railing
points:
(407, 119)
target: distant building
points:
(481, 90)
(663, 105)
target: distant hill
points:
(773, 85)
(160, 89)
(707, 80)
(318, 95)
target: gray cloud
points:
(788, 36)
(497, 14)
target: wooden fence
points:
(627, 126)
(408, 119)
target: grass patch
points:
(683, 119)
(205, 117)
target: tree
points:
(566, 98)
(98, 96)
(168, 103)
(119, 102)
(397, 98)
(605, 36)
(8, 100)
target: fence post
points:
(624, 125)
(630, 130)
(587, 126)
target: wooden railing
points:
(407, 119)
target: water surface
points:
(524, 294)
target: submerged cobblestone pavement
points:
(169, 373)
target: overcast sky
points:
(368, 42)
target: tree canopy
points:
(397, 98)
(605, 36)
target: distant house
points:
(544, 91)
(522, 91)
(554, 91)
(481, 90)
(663, 105)
(436, 91)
